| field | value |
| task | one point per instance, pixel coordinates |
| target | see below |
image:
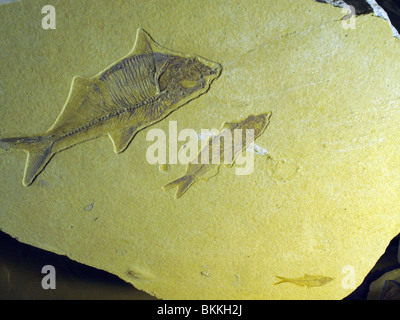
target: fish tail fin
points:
(39, 150)
(282, 280)
(182, 183)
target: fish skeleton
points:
(306, 281)
(197, 168)
(131, 94)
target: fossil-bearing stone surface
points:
(322, 200)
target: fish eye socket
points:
(186, 83)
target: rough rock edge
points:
(375, 7)
(380, 12)
(360, 6)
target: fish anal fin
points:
(214, 170)
(35, 163)
(121, 138)
(228, 165)
(281, 280)
(182, 183)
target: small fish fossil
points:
(131, 94)
(307, 281)
(197, 168)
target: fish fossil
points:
(197, 168)
(131, 94)
(306, 281)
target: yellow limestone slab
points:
(322, 201)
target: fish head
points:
(257, 122)
(325, 280)
(187, 77)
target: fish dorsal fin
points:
(82, 105)
(144, 44)
(124, 85)
(121, 138)
(229, 125)
(133, 79)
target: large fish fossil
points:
(131, 94)
(198, 169)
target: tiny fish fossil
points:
(131, 94)
(89, 207)
(140, 274)
(197, 168)
(306, 281)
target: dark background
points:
(21, 265)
